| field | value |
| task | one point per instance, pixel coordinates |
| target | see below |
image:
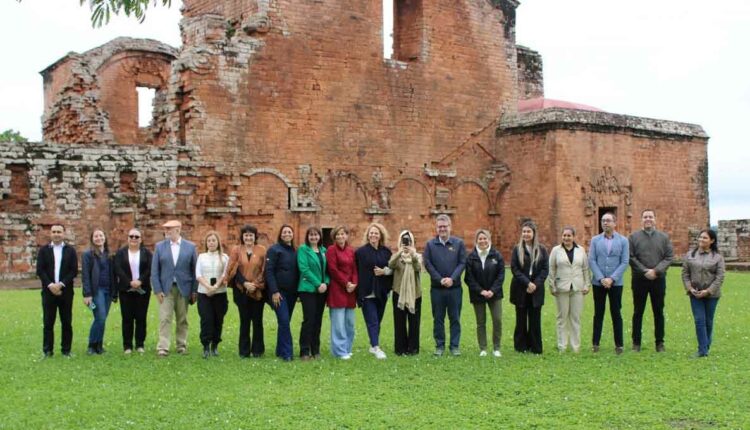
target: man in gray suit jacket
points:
(174, 284)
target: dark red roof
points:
(542, 103)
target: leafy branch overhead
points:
(102, 10)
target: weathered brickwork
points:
(734, 239)
(285, 111)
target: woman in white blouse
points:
(210, 271)
(569, 281)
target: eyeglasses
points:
(133, 236)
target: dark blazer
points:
(281, 269)
(90, 274)
(164, 271)
(367, 258)
(45, 268)
(122, 269)
(521, 276)
(490, 277)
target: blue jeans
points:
(703, 313)
(284, 346)
(373, 310)
(102, 300)
(342, 331)
(446, 300)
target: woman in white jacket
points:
(569, 281)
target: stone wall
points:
(530, 74)
(734, 239)
(570, 165)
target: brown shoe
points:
(162, 353)
(618, 350)
(305, 358)
(636, 348)
(660, 347)
(595, 348)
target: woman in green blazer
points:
(313, 288)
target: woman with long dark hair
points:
(703, 276)
(282, 277)
(530, 265)
(98, 287)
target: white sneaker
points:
(497, 353)
(380, 355)
(374, 349)
(346, 356)
(482, 353)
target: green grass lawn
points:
(645, 390)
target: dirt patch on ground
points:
(21, 284)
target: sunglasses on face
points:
(133, 236)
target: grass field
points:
(645, 390)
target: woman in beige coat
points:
(569, 281)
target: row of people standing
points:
(343, 278)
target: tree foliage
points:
(11, 135)
(102, 10)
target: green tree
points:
(11, 135)
(102, 10)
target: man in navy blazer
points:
(57, 267)
(608, 259)
(174, 284)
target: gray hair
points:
(443, 217)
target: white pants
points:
(569, 308)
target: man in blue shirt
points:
(608, 259)
(445, 259)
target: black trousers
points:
(642, 289)
(406, 327)
(313, 306)
(212, 310)
(615, 305)
(134, 308)
(51, 306)
(528, 333)
(251, 314)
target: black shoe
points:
(99, 348)
(91, 350)
(206, 352)
(66, 354)
(594, 348)
(636, 347)
(660, 347)
(618, 350)
(48, 354)
(215, 350)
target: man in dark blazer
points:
(57, 267)
(174, 284)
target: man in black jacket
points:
(57, 266)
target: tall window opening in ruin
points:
(407, 25)
(602, 211)
(146, 97)
(388, 9)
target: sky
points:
(680, 60)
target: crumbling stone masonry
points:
(285, 111)
(734, 239)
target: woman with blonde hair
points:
(210, 272)
(530, 265)
(485, 273)
(406, 264)
(569, 279)
(375, 282)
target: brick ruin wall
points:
(734, 239)
(286, 112)
(569, 165)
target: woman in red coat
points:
(342, 296)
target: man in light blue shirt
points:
(608, 259)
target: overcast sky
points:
(681, 60)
